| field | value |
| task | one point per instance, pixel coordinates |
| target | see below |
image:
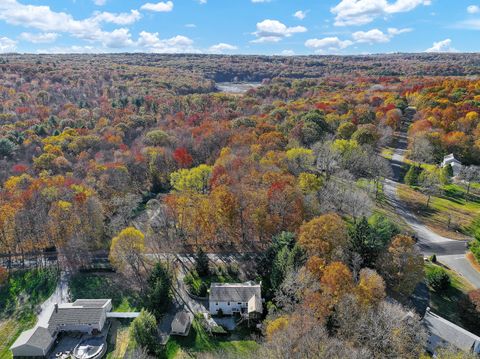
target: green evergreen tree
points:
(202, 264)
(144, 331)
(159, 296)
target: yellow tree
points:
(324, 236)
(127, 252)
(371, 287)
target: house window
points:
(239, 303)
(216, 303)
(228, 303)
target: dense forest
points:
(291, 169)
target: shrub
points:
(144, 331)
(438, 278)
(195, 284)
(433, 258)
(412, 175)
(475, 249)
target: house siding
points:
(228, 308)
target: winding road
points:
(450, 252)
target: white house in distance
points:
(230, 298)
(452, 161)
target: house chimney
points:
(56, 307)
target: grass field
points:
(24, 291)
(449, 214)
(119, 339)
(446, 303)
(104, 285)
(199, 341)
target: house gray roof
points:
(181, 322)
(70, 315)
(440, 328)
(234, 292)
(38, 337)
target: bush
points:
(438, 278)
(475, 249)
(144, 331)
(433, 258)
(412, 175)
(195, 284)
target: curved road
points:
(449, 251)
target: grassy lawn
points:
(119, 339)
(219, 274)
(24, 291)
(105, 285)
(445, 303)
(448, 215)
(199, 341)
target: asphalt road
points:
(449, 251)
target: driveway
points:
(60, 296)
(449, 251)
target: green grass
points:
(445, 302)
(199, 341)
(119, 340)
(19, 297)
(105, 285)
(449, 214)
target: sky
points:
(270, 27)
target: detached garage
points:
(33, 343)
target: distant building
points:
(230, 298)
(453, 162)
(443, 333)
(181, 323)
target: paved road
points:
(449, 251)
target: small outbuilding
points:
(453, 162)
(33, 343)
(181, 323)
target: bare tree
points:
(430, 184)
(327, 158)
(470, 174)
(421, 150)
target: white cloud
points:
(99, 2)
(119, 19)
(328, 44)
(7, 45)
(40, 38)
(201, 2)
(274, 31)
(300, 14)
(44, 19)
(151, 42)
(288, 53)
(190, 25)
(377, 36)
(222, 47)
(473, 9)
(442, 46)
(75, 49)
(158, 7)
(360, 12)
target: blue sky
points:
(240, 26)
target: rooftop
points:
(450, 333)
(234, 292)
(38, 337)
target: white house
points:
(452, 161)
(230, 298)
(443, 333)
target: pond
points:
(236, 87)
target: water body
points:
(236, 87)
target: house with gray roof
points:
(443, 333)
(83, 315)
(35, 342)
(181, 323)
(231, 298)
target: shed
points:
(181, 323)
